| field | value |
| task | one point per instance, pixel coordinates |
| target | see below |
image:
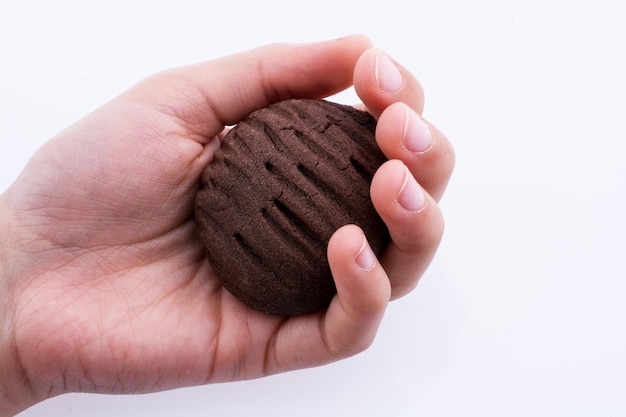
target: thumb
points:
(210, 95)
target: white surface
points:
(522, 312)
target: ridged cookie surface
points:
(283, 181)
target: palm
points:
(115, 215)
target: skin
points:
(103, 285)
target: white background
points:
(522, 312)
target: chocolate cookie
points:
(284, 180)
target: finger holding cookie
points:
(404, 134)
(393, 95)
(415, 224)
(406, 189)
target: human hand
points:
(103, 284)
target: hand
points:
(103, 285)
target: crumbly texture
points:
(284, 180)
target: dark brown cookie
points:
(284, 180)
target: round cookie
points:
(283, 181)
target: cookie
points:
(283, 181)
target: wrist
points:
(14, 392)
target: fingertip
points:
(344, 244)
(365, 258)
(403, 134)
(390, 130)
(380, 81)
(387, 182)
(361, 282)
(357, 40)
(364, 78)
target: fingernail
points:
(417, 135)
(411, 196)
(388, 76)
(365, 258)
